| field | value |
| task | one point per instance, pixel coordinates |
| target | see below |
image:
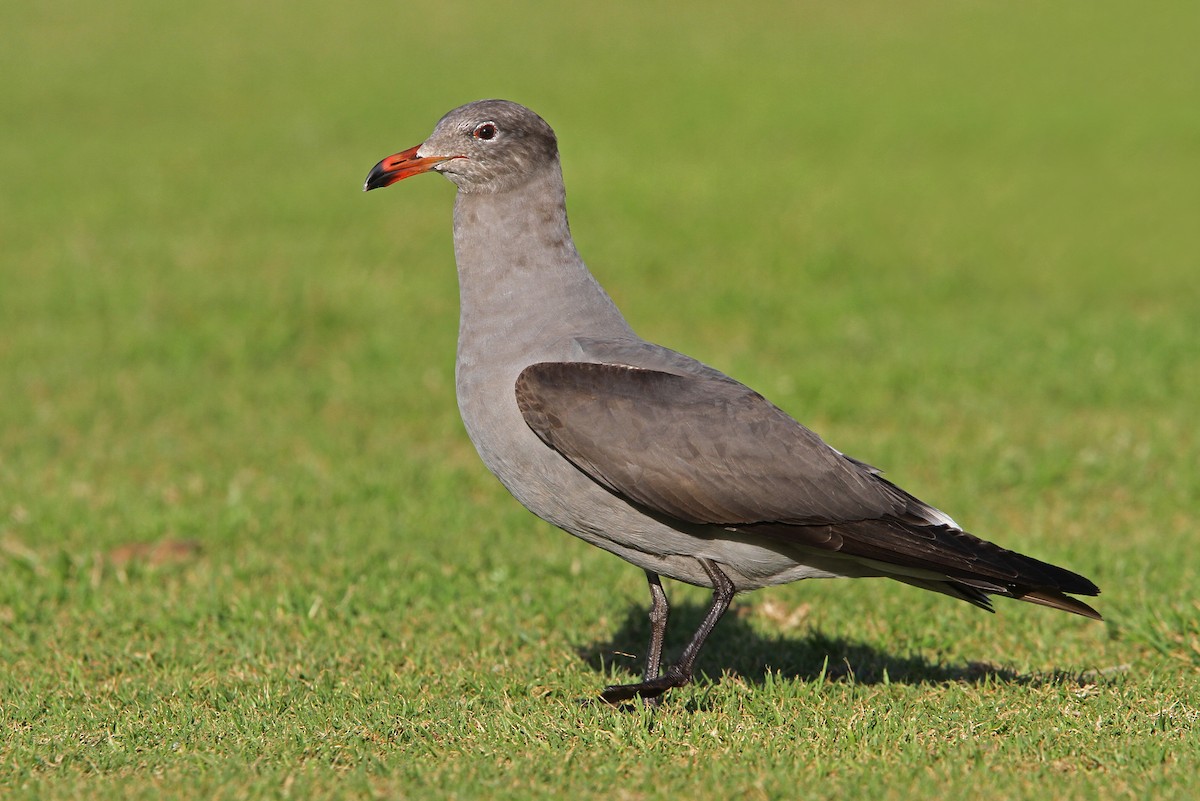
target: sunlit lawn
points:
(247, 551)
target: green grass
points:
(959, 240)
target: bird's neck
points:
(521, 280)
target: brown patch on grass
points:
(154, 554)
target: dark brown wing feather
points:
(968, 563)
(708, 450)
(697, 449)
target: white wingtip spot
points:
(938, 517)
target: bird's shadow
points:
(737, 649)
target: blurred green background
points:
(959, 240)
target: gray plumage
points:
(643, 451)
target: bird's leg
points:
(679, 673)
(722, 596)
(659, 610)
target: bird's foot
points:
(649, 691)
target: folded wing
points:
(704, 449)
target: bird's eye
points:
(485, 130)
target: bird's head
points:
(488, 146)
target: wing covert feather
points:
(699, 449)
